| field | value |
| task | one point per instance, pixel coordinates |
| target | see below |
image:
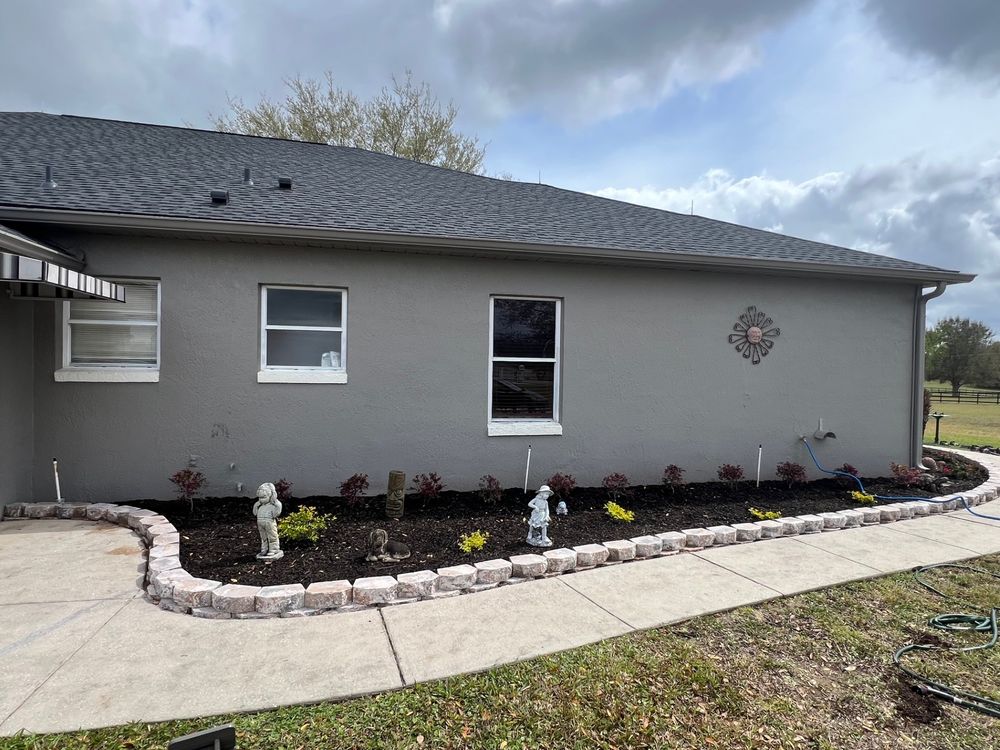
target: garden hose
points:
(895, 498)
(953, 622)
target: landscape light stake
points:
(760, 451)
(526, 467)
(55, 472)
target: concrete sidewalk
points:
(92, 653)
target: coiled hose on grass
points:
(953, 622)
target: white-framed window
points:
(303, 334)
(110, 341)
(524, 366)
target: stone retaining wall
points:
(174, 589)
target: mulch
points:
(219, 539)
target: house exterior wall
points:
(16, 386)
(648, 377)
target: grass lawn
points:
(942, 385)
(969, 424)
(810, 671)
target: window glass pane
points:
(140, 305)
(522, 390)
(304, 349)
(302, 307)
(112, 344)
(524, 328)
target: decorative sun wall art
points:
(753, 335)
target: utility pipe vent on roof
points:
(49, 182)
(285, 183)
(220, 197)
(247, 180)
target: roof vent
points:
(220, 197)
(49, 182)
(247, 180)
(285, 183)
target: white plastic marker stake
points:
(760, 450)
(527, 465)
(55, 471)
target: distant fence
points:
(944, 396)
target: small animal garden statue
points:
(382, 549)
(538, 523)
(267, 509)
(561, 509)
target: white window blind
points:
(111, 334)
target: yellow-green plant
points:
(863, 498)
(305, 524)
(764, 515)
(473, 542)
(619, 513)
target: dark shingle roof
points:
(107, 166)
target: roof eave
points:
(287, 232)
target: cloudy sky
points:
(868, 123)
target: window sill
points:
(106, 375)
(301, 376)
(501, 429)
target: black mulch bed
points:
(219, 540)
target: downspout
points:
(917, 370)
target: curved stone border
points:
(174, 589)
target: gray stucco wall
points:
(16, 395)
(648, 377)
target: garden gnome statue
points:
(539, 522)
(267, 509)
(561, 509)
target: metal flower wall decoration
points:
(753, 335)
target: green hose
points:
(954, 622)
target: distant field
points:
(940, 384)
(971, 424)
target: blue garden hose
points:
(861, 486)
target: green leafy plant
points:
(862, 498)
(473, 542)
(490, 489)
(764, 515)
(303, 525)
(619, 513)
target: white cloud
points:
(940, 214)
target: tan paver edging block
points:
(174, 589)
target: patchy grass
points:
(809, 671)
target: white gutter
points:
(475, 246)
(917, 370)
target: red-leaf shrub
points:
(561, 485)
(791, 472)
(284, 489)
(616, 484)
(848, 469)
(188, 483)
(673, 476)
(490, 489)
(730, 473)
(354, 488)
(428, 486)
(905, 475)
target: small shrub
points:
(473, 542)
(905, 475)
(561, 485)
(848, 469)
(303, 525)
(862, 498)
(284, 489)
(764, 515)
(673, 476)
(730, 473)
(490, 489)
(791, 472)
(188, 483)
(354, 488)
(428, 486)
(617, 486)
(619, 513)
